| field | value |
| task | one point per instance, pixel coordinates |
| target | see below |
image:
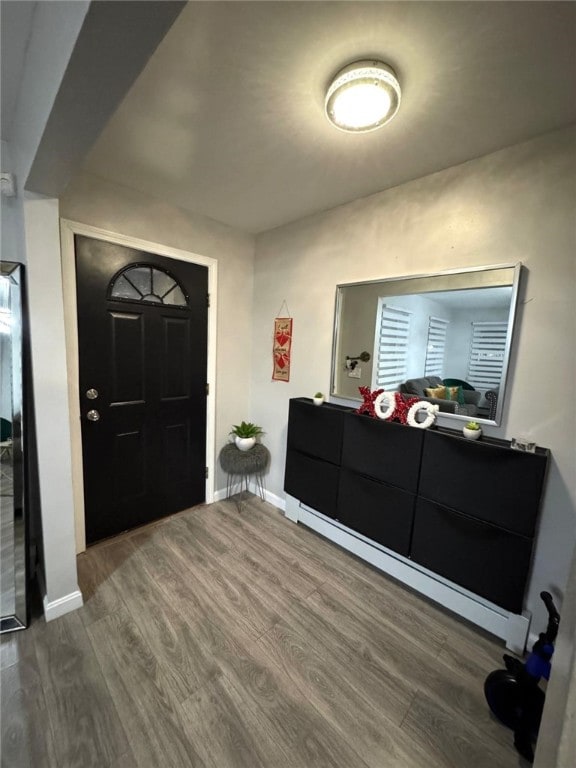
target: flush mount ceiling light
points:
(363, 96)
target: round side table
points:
(240, 465)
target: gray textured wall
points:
(514, 205)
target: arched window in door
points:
(147, 284)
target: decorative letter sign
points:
(281, 350)
(430, 409)
(390, 406)
(369, 397)
(385, 405)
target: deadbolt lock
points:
(91, 394)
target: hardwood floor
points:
(226, 639)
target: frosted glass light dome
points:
(363, 96)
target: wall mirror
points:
(450, 330)
(13, 512)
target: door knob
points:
(93, 416)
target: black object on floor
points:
(513, 693)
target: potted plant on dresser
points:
(472, 431)
(245, 435)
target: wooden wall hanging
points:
(281, 347)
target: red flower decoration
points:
(368, 404)
(403, 405)
(400, 412)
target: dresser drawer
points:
(316, 430)
(382, 450)
(492, 483)
(483, 558)
(313, 481)
(380, 512)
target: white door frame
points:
(67, 231)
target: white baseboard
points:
(220, 495)
(53, 609)
(276, 501)
(270, 497)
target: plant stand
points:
(240, 466)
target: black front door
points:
(142, 331)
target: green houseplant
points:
(472, 430)
(245, 434)
(318, 398)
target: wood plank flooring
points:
(226, 639)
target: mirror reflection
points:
(444, 338)
(13, 607)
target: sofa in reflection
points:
(492, 399)
(465, 401)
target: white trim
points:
(56, 608)
(511, 627)
(270, 497)
(276, 501)
(67, 231)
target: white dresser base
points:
(511, 627)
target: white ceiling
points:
(227, 118)
(474, 299)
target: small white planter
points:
(318, 400)
(471, 434)
(245, 443)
